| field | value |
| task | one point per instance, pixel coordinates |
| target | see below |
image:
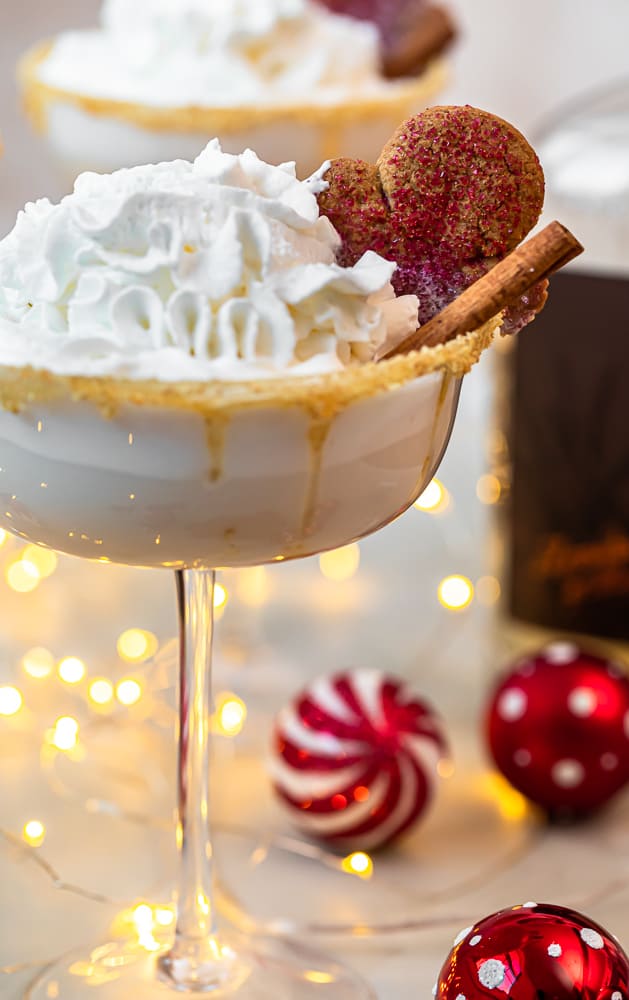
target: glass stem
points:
(195, 962)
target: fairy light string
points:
(150, 920)
(27, 568)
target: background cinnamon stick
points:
(532, 261)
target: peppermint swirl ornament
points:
(356, 758)
(530, 952)
(558, 729)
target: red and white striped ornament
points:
(355, 759)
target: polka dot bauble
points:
(558, 729)
(530, 952)
(356, 759)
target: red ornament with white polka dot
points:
(356, 758)
(558, 729)
(535, 952)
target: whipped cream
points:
(223, 53)
(222, 268)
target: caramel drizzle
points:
(317, 436)
(215, 432)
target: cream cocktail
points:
(287, 77)
(186, 375)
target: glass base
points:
(259, 970)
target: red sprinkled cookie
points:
(454, 190)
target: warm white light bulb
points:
(231, 714)
(11, 700)
(34, 833)
(340, 564)
(101, 691)
(38, 663)
(254, 586)
(128, 692)
(71, 670)
(136, 645)
(66, 733)
(456, 592)
(434, 499)
(23, 576)
(358, 863)
(220, 596)
(44, 560)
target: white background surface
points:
(519, 60)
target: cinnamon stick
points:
(538, 258)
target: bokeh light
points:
(11, 700)
(128, 692)
(511, 805)
(220, 597)
(101, 691)
(34, 833)
(318, 977)
(164, 916)
(23, 576)
(65, 735)
(143, 921)
(135, 645)
(44, 560)
(253, 586)
(230, 715)
(456, 592)
(358, 863)
(71, 670)
(434, 499)
(488, 489)
(340, 564)
(38, 663)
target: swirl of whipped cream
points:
(223, 53)
(221, 268)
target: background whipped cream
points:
(172, 53)
(222, 268)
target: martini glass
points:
(193, 477)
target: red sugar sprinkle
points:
(454, 190)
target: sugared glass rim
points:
(402, 97)
(322, 394)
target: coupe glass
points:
(198, 476)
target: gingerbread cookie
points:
(417, 35)
(454, 190)
(412, 32)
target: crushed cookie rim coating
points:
(322, 395)
(405, 95)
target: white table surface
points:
(519, 60)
